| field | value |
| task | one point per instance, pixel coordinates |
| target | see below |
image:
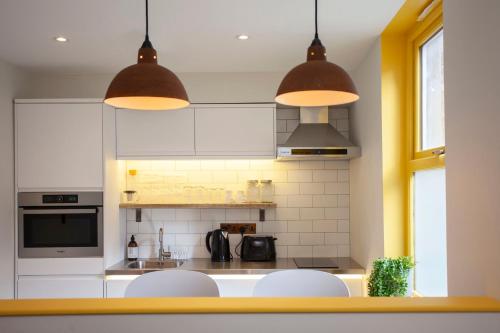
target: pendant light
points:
(146, 85)
(316, 82)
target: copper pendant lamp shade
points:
(146, 85)
(316, 82)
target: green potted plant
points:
(389, 276)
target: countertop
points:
(346, 266)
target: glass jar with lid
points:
(253, 191)
(266, 190)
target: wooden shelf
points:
(138, 206)
(258, 205)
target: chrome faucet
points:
(162, 254)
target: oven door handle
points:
(59, 211)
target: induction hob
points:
(315, 263)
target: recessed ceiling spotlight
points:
(61, 39)
(242, 37)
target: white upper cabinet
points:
(59, 146)
(142, 134)
(235, 131)
(200, 131)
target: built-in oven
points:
(60, 225)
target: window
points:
(426, 173)
(432, 93)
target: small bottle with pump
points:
(132, 249)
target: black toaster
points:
(258, 248)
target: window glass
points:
(430, 232)
(432, 93)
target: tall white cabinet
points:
(59, 145)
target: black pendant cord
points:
(147, 43)
(147, 20)
(315, 18)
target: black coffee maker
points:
(219, 246)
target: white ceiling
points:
(189, 35)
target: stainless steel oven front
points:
(60, 225)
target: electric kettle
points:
(217, 242)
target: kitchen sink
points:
(154, 264)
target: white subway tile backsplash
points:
(325, 226)
(337, 188)
(274, 226)
(287, 238)
(212, 165)
(312, 238)
(300, 226)
(281, 200)
(132, 227)
(342, 125)
(188, 239)
(162, 214)
(300, 201)
(277, 176)
(312, 197)
(344, 251)
(282, 137)
(225, 177)
(343, 175)
(149, 227)
(325, 200)
(281, 251)
(287, 113)
(283, 214)
(312, 165)
(343, 200)
(187, 165)
(300, 251)
(287, 188)
(174, 227)
(237, 165)
(299, 176)
(337, 213)
(291, 125)
(187, 214)
(213, 214)
(199, 227)
(312, 188)
(312, 213)
(280, 126)
(339, 165)
(325, 251)
(325, 176)
(343, 225)
(337, 238)
(237, 214)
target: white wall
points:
(10, 82)
(367, 229)
(201, 87)
(472, 100)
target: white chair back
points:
(173, 283)
(300, 283)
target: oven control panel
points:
(59, 198)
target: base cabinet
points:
(60, 287)
(237, 286)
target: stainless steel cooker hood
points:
(316, 139)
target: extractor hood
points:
(316, 139)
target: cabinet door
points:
(116, 288)
(235, 131)
(59, 145)
(154, 133)
(60, 287)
